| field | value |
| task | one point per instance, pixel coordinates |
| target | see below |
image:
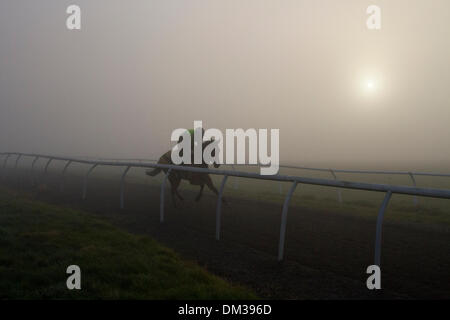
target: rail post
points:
(383, 207)
(161, 204)
(61, 187)
(284, 221)
(46, 166)
(122, 182)
(4, 165)
(15, 168)
(32, 169)
(219, 207)
(411, 175)
(85, 185)
(6, 160)
(339, 192)
(17, 161)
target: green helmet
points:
(191, 132)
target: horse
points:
(195, 178)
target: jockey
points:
(191, 133)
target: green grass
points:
(39, 241)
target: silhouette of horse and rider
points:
(195, 178)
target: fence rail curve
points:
(333, 172)
(388, 190)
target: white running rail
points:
(411, 174)
(295, 180)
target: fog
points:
(139, 69)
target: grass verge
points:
(39, 241)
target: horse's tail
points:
(165, 159)
(153, 172)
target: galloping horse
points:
(195, 178)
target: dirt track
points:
(326, 254)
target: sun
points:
(370, 85)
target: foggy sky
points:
(139, 69)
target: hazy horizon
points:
(138, 70)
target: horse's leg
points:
(178, 193)
(200, 193)
(174, 200)
(211, 186)
(174, 183)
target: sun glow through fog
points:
(370, 84)
(370, 87)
